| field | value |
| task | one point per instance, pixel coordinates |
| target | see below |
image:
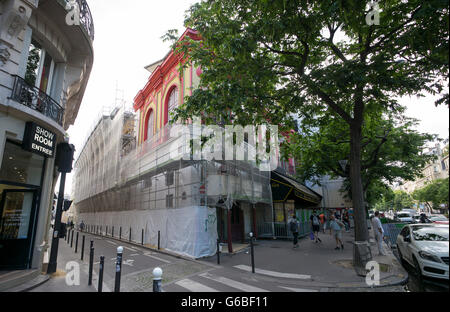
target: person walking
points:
(323, 219)
(82, 226)
(336, 225)
(378, 232)
(346, 220)
(315, 222)
(294, 226)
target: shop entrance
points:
(17, 221)
(237, 223)
(21, 175)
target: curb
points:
(34, 283)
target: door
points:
(17, 225)
(237, 223)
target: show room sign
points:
(39, 140)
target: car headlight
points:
(428, 256)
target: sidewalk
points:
(315, 264)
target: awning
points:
(284, 187)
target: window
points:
(150, 124)
(169, 201)
(172, 103)
(40, 68)
(169, 178)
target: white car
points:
(425, 247)
(405, 216)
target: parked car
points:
(425, 247)
(440, 219)
(405, 216)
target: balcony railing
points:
(85, 16)
(37, 100)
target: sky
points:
(128, 37)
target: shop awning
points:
(284, 187)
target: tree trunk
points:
(359, 210)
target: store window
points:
(20, 166)
(150, 124)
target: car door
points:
(402, 245)
(407, 245)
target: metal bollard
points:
(252, 254)
(118, 269)
(71, 240)
(159, 240)
(106, 234)
(130, 233)
(120, 233)
(101, 233)
(91, 263)
(218, 251)
(82, 247)
(142, 240)
(100, 273)
(76, 243)
(157, 273)
(68, 237)
(112, 232)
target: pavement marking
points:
(128, 262)
(157, 258)
(111, 242)
(273, 273)
(232, 283)
(135, 254)
(299, 289)
(194, 286)
(128, 248)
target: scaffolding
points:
(158, 188)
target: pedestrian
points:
(337, 225)
(378, 232)
(346, 221)
(82, 226)
(315, 222)
(323, 219)
(294, 225)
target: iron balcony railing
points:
(85, 15)
(37, 100)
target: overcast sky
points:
(128, 37)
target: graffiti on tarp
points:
(211, 221)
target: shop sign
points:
(39, 140)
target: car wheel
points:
(417, 269)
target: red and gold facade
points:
(152, 101)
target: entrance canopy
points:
(284, 188)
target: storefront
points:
(22, 177)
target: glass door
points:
(17, 222)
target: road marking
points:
(157, 258)
(194, 286)
(273, 273)
(108, 241)
(128, 262)
(299, 289)
(232, 283)
(135, 254)
(131, 249)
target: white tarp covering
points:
(190, 231)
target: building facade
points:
(160, 192)
(46, 56)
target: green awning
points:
(284, 188)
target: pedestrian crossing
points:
(207, 282)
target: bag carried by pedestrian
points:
(311, 235)
(293, 226)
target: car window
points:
(403, 215)
(439, 218)
(405, 231)
(430, 233)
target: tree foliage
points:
(433, 194)
(267, 61)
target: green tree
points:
(402, 200)
(433, 194)
(32, 65)
(264, 61)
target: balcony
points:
(37, 100)
(85, 15)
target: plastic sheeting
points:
(158, 186)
